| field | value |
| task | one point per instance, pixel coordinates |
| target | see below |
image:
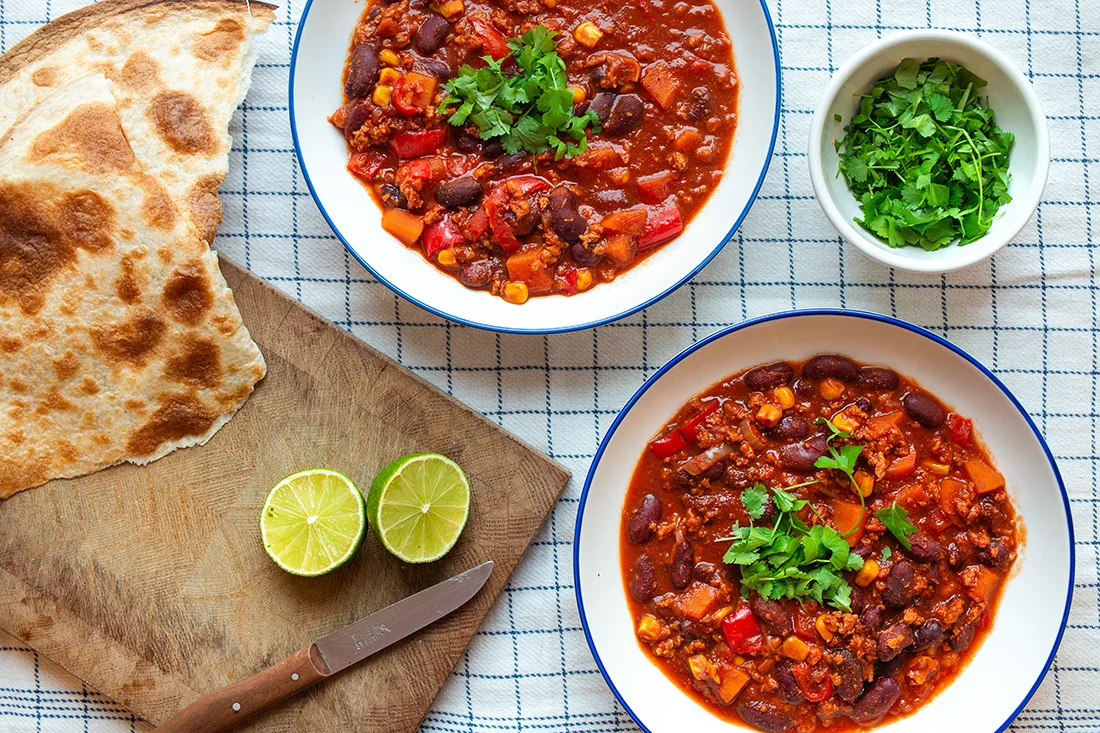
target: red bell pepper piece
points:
(502, 230)
(420, 168)
(493, 42)
(960, 428)
(569, 274)
(366, 163)
(661, 225)
(477, 224)
(904, 466)
(415, 143)
(814, 690)
(524, 185)
(654, 188)
(742, 631)
(691, 427)
(441, 235)
(669, 445)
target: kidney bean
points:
(789, 689)
(476, 274)
(435, 67)
(871, 618)
(900, 584)
(888, 669)
(601, 104)
(802, 456)
(683, 564)
(962, 637)
(391, 196)
(831, 366)
(864, 404)
(698, 104)
(644, 583)
(924, 410)
(584, 256)
(461, 191)
(769, 376)
(876, 702)
(850, 671)
(893, 640)
(642, 523)
(705, 572)
(792, 428)
(362, 71)
(928, 634)
(878, 378)
(565, 217)
(464, 141)
(773, 615)
(924, 548)
(431, 34)
(492, 149)
(857, 598)
(958, 554)
(626, 113)
(688, 629)
(764, 715)
(359, 114)
(994, 556)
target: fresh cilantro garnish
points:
(843, 459)
(886, 553)
(531, 110)
(897, 521)
(790, 559)
(924, 157)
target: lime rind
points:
(312, 548)
(418, 506)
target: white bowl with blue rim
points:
(1005, 670)
(320, 51)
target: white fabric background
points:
(1030, 314)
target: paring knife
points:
(230, 706)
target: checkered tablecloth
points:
(1031, 314)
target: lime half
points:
(418, 506)
(313, 522)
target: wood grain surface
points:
(151, 585)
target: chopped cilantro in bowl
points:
(924, 157)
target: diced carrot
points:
(950, 491)
(847, 515)
(986, 586)
(402, 224)
(912, 496)
(904, 466)
(527, 267)
(654, 188)
(630, 221)
(621, 248)
(599, 156)
(660, 82)
(697, 601)
(733, 681)
(879, 425)
(985, 477)
(688, 140)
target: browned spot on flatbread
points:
(90, 137)
(68, 451)
(131, 342)
(157, 206)
(39, 237)
(135, 404)
(182, 123)
(16, 437)
(18, 385)
(187, 294)
(127, 287)
(221, 42)
(10, 344)
(140, 73)
(67, 366)
(89, 386)
(53, 401)
(44, 77)
(178, 418)
(199, 362)
(206, 208)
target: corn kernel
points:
(766, 666)
(515, 293)
(388, 57)
(831, 388)
(578, 94)
(588, 34)
(451, 9)
(844, 421)
(739, 660)
(550, 3)
(702, 669)
(388, 76)
(650, 629)
(794, 648)
(822, 629)
(584, 278)
(867, 573)
(768, 415)
(940, 469)
(382, 94)
(784, 397)
(865, 482)
(447, 258)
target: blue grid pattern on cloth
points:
(1030, 314)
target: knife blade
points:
(228, 707)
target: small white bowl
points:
(1016, 109)
(320, 51)
(1005, 670)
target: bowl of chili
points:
(534, 216)
(763, 555)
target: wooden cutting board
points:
(150, 583)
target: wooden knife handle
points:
(230, 706)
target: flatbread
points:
(179, 67)
(119, 338)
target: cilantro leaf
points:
(754, 499)
(886, 553)
(897, 521)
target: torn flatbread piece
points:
(180, 68)
(119, 338)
